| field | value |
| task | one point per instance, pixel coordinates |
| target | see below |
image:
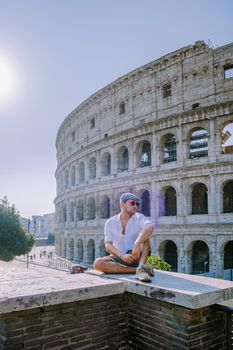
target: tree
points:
(50, 238)
(13, 238)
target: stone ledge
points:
(190, 291)
(22, 288)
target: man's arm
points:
(144, 236)
(128, 258)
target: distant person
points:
(127, 240)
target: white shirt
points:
(124, 242)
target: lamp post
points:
(28, 233)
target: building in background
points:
(39, 225)
(163, 131)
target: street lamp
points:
(28, 233)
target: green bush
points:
(13, 239)
(158, 263)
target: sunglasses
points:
(133, 203)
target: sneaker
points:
(142, 274)
(150, 270)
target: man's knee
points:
(99, 263)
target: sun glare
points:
(7, 81)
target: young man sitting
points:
(127, 240)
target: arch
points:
(58, 245)
(168, 251)
(105, 207)
(80, 210)
(64, 247)
(91, 208)
(170, 205)
(73, 176)
(92, 168)
(66, 179)
(168, 146)
(71, 249)
(81, 172)
(102, 248)
(143, 151)
(117, 202)
(145, 205)
(106, 164)
(62, 182)
(72, 211)
(200, 257)
(90, 250)
(228, 197)
(227, 137)
(198, 143)
(64, 213)
(122, 159)
(199, 199)
(228, 255)
(80, 250)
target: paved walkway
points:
(45, 256)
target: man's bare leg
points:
(106, 265)
(144, 252)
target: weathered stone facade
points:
(159, 131)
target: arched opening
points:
(146, 203)
(169, 148)
(105, 207)
(66, 179)
(228, 197)
(198, 144)
(227, 138)
(73, 177)
(228, 255)
(122, 159)
(144, 154)
(92, 168)
(117, 203)
(91, 208)
(80, 210)
(80, 250)
(199, 199)
(62, 182)
(72, 209)
(81, 173)
(170, 254)
(170, 202)
(71, 249)
(64, 248)
(106, 164)
(64, 213)
(90, 251)
(200, 258)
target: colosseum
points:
(163, 131)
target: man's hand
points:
(136, 252)
(127, 258)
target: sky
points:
(56, 53)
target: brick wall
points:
(163, 326)
(93, 324)
(116, 323)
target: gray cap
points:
(126, 196)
